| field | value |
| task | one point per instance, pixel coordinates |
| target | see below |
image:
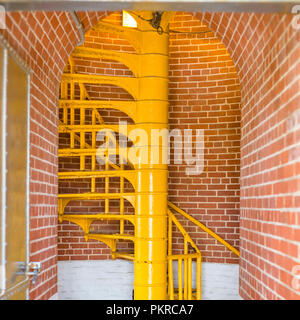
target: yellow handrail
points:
(204, 228)
(187, 238)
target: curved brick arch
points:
(265, 49)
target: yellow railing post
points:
(179, 279)
(189, 282)
(198, 293)
(171, 282)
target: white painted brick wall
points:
(220, 281)
(113, 280)
(95, 280)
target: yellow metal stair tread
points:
(123, 255)
(98, 216)
(115, 236)
(76, 218)
(93, 195)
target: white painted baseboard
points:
(113, 280)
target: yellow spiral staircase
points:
(143, 164)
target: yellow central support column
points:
(151, 193)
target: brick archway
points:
(265, 49)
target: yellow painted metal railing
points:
(80, 120)
(185, 290)
(204, 228)
(187, 275)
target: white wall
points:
(113, 280)
(220, 281)
(95, 280)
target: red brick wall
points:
(204, 94)
(266, 51)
